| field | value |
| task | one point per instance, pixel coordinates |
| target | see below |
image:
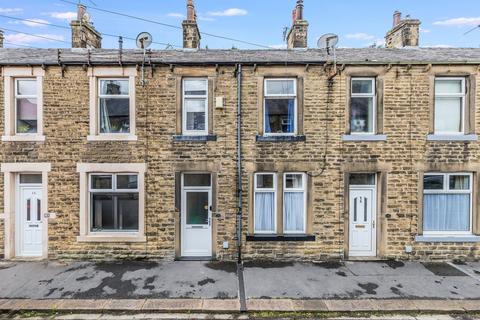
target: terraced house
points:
(267, 154)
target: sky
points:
(261, 22)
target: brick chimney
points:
(1, 38)
(404, 33)
(84, 34)
(191, 33)
(298, 34)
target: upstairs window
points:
(362, 106)
(26, 109)
(114, 202)
(450, 95)
(447, 203)
(114, 106)
(195, 106)
(280, 107)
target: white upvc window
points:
(195, 106)
(26, 106)
(450, 97)
(363, 106)
(294, 203)
(114, 202)
(23, 103)
(280, 107)
(265, 212)
(113, 106)
(447, 204)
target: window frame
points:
(100, 96)
(265, 190)
(114, 189)
(372, 95)
(281, 96)
(186, 132)
(304, 190)
(446, 190)
(16, 96)
(462, 95)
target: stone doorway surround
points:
(10, 171)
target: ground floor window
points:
(114, 202)
(447, 203)
(293, 196)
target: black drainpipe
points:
(239, 162)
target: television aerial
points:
(328, 41)
(144, 40)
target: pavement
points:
(195, 286)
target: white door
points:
(196, 222)
(362, 231)
(29, 219)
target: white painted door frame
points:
(362, 234)
(196, 240)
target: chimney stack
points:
(84, 35)
(298, 34)
(1, 38)
(191, 33)
(404, 33)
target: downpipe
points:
(239, 163)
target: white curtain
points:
(294, 212)
(264, 212)
(446, 212)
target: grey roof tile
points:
(10, 56)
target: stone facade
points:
(400, 160)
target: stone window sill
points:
(113, 137)
(452, 137)
(183, 138)
(25, 138)
(466, 238)
(364, 137)
(300, 138)
(281, 238)
(112, 238)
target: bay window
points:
(280, 107)
(195, 106)
(447, 203)
(450, 95)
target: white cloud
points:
(359, 36)
(458, 22)
(232, 12)
(425, 30)
(176, 15)
(278, 46)
(203, 18)
(10, 10)
(69, 15)
(441, 46)
(22, 38)
(35, 23)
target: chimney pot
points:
(299, 10)
(84, 35)
(191, 33)
(298, 34)
(81, 10)
(405, 33)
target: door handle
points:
(373, 224)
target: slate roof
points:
(10, 56)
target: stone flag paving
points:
(214, 286)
